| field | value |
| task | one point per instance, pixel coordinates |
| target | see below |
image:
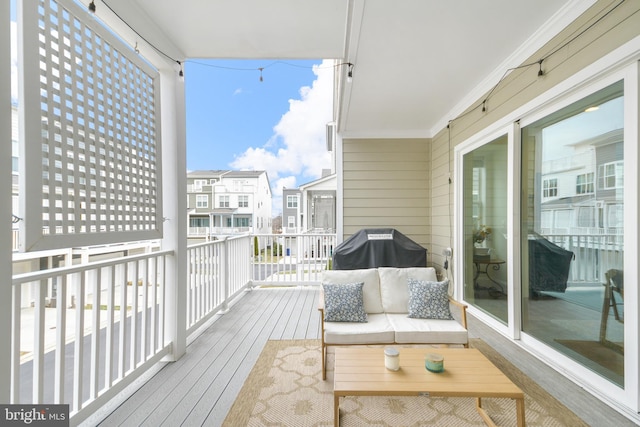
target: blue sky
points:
(235, 121)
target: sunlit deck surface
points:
(200, 388)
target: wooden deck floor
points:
(199, 389)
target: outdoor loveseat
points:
(388, 305)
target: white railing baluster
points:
(154, 307)
(61, 340)
(78, 360)
(134, 318)
(110, 321)
(163, 304)
(38, 341)
(144, 346)
(95, 334)
(16, 343)
(124, 289)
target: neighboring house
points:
(291, 211)
(319, 204)
(224, 202)
(578, 191)
(311, 208)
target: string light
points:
(539, 63)
(92, 8)
(350, 72)
(540, 72)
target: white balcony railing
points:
(594, 255)
(230, 230)
(218, 271)
(198, 231)
(110, 316)
(291, 258)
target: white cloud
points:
(301, 134)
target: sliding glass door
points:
(572, 231)
(485, 227)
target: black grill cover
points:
(378, 247)
(548, 266)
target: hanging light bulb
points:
(350, 73)
(540, 72)
(261, 68)
(92, 7)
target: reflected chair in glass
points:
(614, 284)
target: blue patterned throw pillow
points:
(344, 302)
(429, 300)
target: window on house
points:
(615, 216)
(291, 221)
(223, 202)
(292, 201)
(202, 201)
(243, 201)
(199, 222)
(586, 216)
(242, 222)
(610, 175)
(550, 188)
(584, 183)
(198, 184)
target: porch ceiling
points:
(417, 63)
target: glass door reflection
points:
(485, 226)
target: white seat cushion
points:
(427, 331)
(394, 288)
(370, 290)
(377, 330)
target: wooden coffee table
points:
(360, 371)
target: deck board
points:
(171, 386)
(200, 388)
(217, 367)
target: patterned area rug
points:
(285, 389)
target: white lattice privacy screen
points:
(91, 170)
